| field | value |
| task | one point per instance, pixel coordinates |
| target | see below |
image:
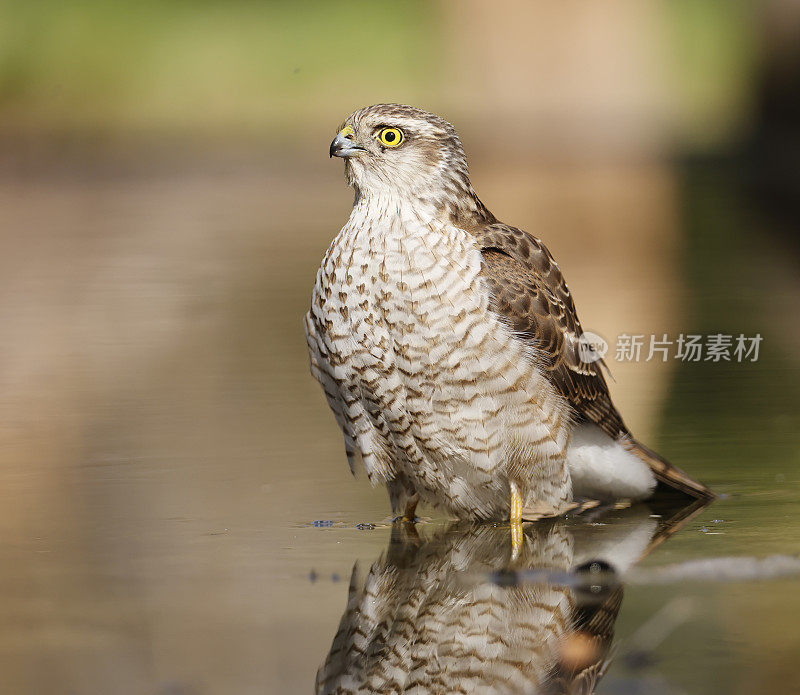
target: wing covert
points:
(528, 292)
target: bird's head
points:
(404, 152)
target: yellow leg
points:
(516, 504)
(515, 519)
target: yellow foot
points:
(515, 519)
(541, 510)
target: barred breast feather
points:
(429, 385)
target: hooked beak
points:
(343, 145)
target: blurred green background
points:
(165, 200)
(253, 68)
(206, 67)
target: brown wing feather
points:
(528, 291)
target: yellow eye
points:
(390, 137)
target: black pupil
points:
(389, 136)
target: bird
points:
(448, 345)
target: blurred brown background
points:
(165, 199)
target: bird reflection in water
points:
(456, 614)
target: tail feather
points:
(671, 476)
